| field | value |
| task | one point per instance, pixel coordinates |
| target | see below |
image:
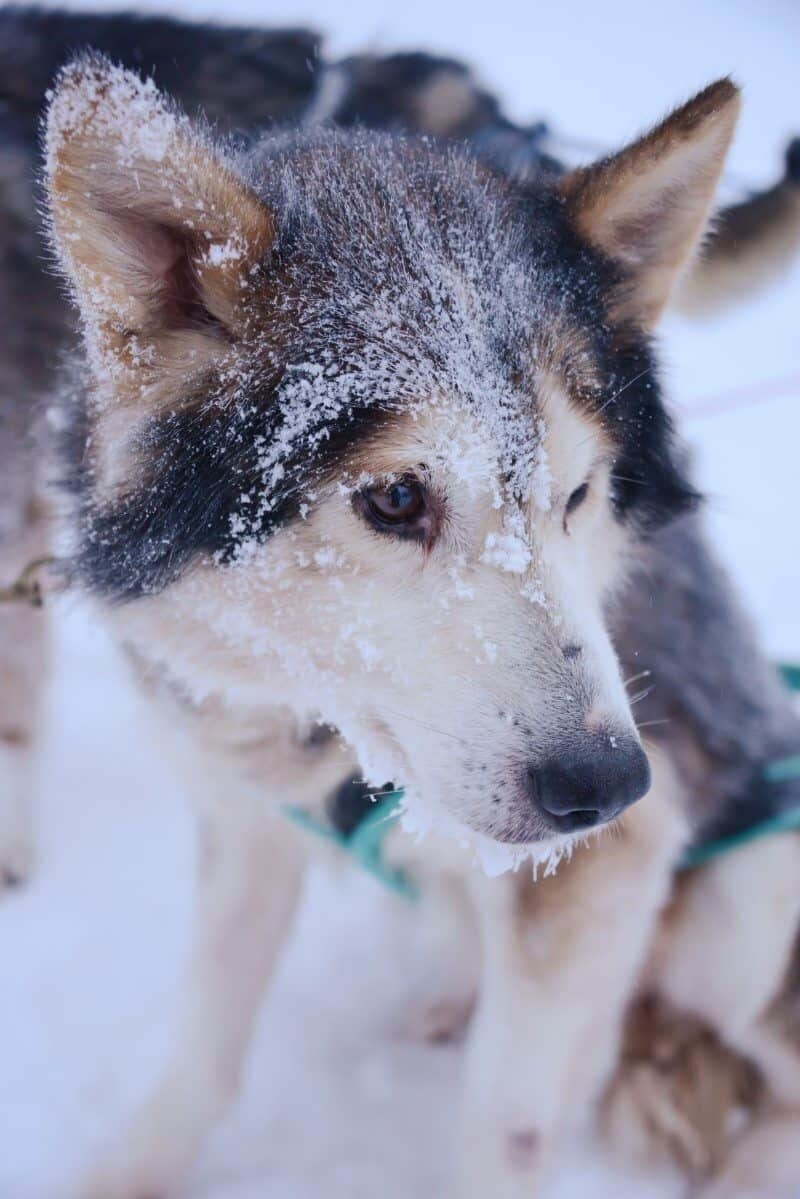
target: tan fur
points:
(678, 1092)
(99, 126)
(136, 195)
(444, 106)
(648, 206)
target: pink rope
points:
(738, 398)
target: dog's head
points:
(377, 430)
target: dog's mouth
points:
(528, 828)
(382, 754)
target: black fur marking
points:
(199, 463)
(351, 802)
(649, 480)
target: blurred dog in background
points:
(376, 421)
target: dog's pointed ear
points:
(154, 229)
(647, 207)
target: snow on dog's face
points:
(370, 431)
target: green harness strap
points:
(785, 822)
(791, 674)
(780, 771)
(365, 842)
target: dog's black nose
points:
(585, 787)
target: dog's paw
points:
(109, 1187)
(120, 1176)
(155, 1155)
(16, 844)
(441, 1021)
(678, 1093)
(16, 862)
(644, 1122)
(146, 1163)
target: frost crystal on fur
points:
(127, 112)
(493, 857)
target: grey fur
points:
(725, 710)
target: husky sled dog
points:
(372, 434)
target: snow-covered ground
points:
(341, 1102)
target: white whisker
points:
(617, 394)
(643, 674)
(423, 725)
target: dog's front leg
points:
(248, 878)
(560, 959)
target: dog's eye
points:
(576, 499)
(399, 504)
(402, 507)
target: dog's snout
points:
(581, 788)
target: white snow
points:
(221, 253)
(339, 1102)
(508, 551)
(117, 103)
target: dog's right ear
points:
(154, 229)
(647, 206)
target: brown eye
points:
(403, 508)
(576, 499)
(401, 503)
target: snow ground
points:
(340, 1101)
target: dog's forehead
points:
(538, 453)
(424, 288)
(400, 230)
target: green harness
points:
(365, 842)
(779, 771)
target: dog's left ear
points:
(156, 232)
(647, 207)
